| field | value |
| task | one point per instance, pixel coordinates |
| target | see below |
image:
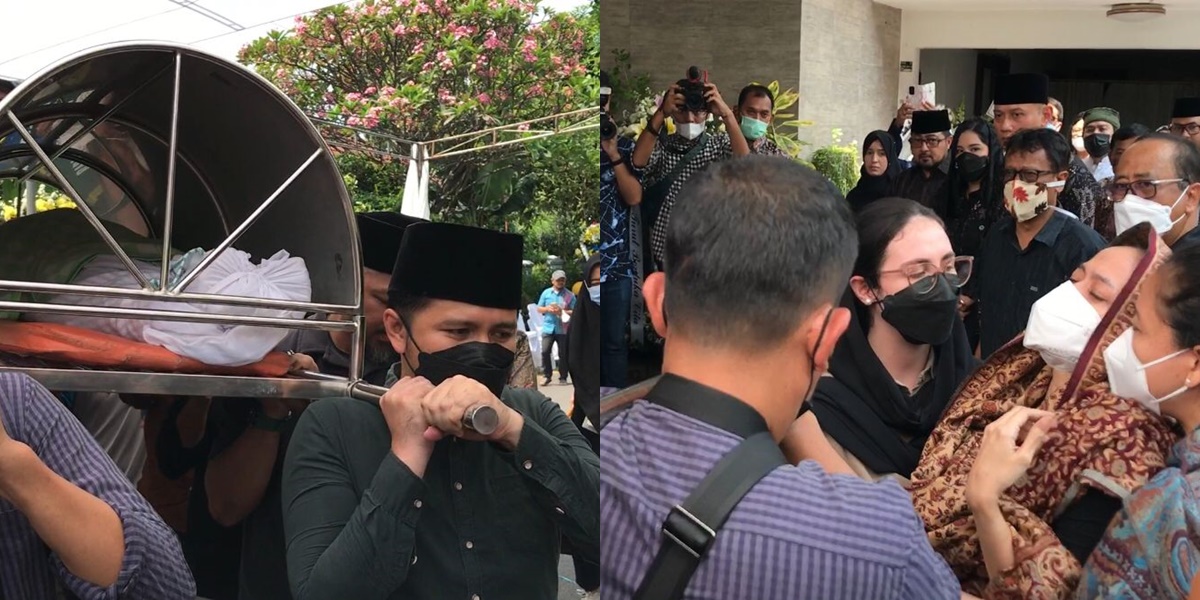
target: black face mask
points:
(489, 364)
(1097, 144)
(971, 166)
(923, 318)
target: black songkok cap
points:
(1186, 107)
(1022, 88)
(380, 234)
(475, 266)
(930, 121)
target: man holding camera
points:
(620, 192)
(670, 160)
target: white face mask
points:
(689, 131)
(594, 292)
(1127, 374)
(1134, 209)
(1077, 142)
(1060, 325)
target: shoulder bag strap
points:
(691, 527)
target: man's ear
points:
(1047, 114)
(822, 331)
(1192, 198)
(396, 332)
(654, 291)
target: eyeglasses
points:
(1178, 128)
(1144, 189)
(928, 142)
(922, 277)
(1026, 175)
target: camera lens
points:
(608, 129)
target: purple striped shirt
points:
(800, 533)
(153, 567)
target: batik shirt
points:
(614, 217)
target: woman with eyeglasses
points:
(905, 352)
(1015, 522)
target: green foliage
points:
(428, 69)
(47, 198)
(958, 115)
(838, 162)
(630, 88)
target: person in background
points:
(1022, 103)
(668, 161)
(1077, 138)
(1185, 120)
(975, 198)
(620, 213)
(905, 351)
(1099, 125)
(1034, 249)
(583, 338)
(555, 302)
(756, 110)
(379, 235)
(1008, 536)
(1056, 119)
(1156, 364)
(879, 169)
(401, 499)
(1158, 182)
(924, 182)
(1123, 139)
(70, 521)
(781, 229)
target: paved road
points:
(567, 590)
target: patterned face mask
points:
(1025, 201)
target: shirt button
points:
(417, 503)
(475, 597)
(559, 510)
(470, 545)
(528, 465)
(458, 486)
(414, 559)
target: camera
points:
(608, 129)
(693, 89)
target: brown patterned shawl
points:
(1100, 441)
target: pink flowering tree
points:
(427, 69)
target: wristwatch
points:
(265, 423)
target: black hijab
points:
(873, 187)
(863, 408)
(583, 348)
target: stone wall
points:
(849, 68)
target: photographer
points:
(620, 191)
(670, 160)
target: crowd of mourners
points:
(977, 374)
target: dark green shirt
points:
(484, 524)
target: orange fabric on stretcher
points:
(87, 348)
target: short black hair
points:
(604, 80)
(1186, 156)
(756, 90)
(1179, 300)
(878, 224)
(1130, 132)
(755, 244)
(407, 305)
(6, 86)
(1029, 141)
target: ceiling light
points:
(1136, 12)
